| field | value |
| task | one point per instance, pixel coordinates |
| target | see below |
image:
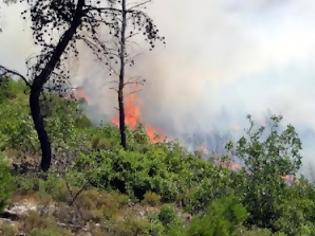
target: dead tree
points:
(71, 21)
(128, 22)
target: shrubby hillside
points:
(96, 187)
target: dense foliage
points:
(270, 155)
(223, 217)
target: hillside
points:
(95, 187)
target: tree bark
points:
(42, 78)
(40, 129)
(122, 124)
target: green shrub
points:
(167, 215)
(5, 182)
(52, 186)
(55, 187)
(260, 232)
(223, 218)
(99, 205)
(39, 225)
(205, 183)
(165, 169)
(25, 185)
(131, 226)
(269, 154)
(296, 212)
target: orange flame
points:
(154, 136)
(132, 119)
(132, 113)
(289, 179)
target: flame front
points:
(154, 136)
(133, 117)
(132, 113)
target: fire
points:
(154, 136)
(133, 117)
(132, 113)
(289, 179)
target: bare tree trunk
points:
(122, 125)
(40, 129)
(42, 78)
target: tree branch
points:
(140, 4)
(6, 71)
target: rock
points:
(22, 208)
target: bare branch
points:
(114, 89)
(134, 92)
(140, 4)
(6, 71)
(134, 83)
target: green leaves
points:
(165, 169)
(5, 182)
(270, 154)
(223, 218)
(16, 127)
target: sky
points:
(223, 59)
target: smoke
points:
(224, 59)
(15, 38)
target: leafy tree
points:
(270, 154)
(57, 25)
(50, 16)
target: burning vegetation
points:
(133, 119)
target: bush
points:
(165, 169)
(50, 231)
(55, 187)
(151, 198)
(269, 155)
(38, 225)
(5, 182)
(7, 229)
(223, 218)
(206, 183)
(259, 232)
(296, 212)
(100, 205)
(25, 185)
(16, 127)
(167, 215)
(131, 226)
(52, 186)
